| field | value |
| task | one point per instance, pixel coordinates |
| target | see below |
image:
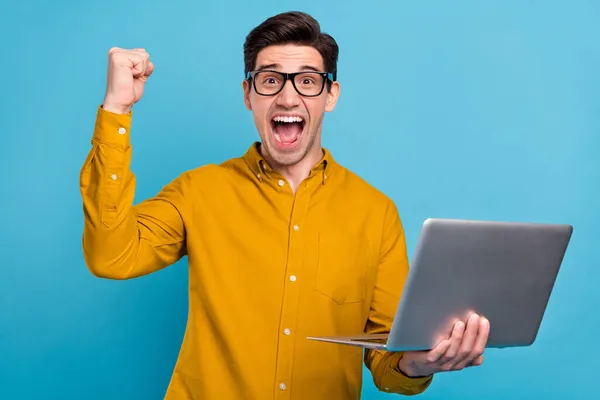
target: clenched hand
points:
(128, 71)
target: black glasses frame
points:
(289, 76)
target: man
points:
(282, 243)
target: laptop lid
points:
(504, 271)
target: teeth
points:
(287, 119)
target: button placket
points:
(291, 294)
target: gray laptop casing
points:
(504, 271)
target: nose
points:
(288, 97)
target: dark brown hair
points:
(291, 28)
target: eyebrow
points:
(278, 67)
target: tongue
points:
(288, 132)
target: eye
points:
(270, 80)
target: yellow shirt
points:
(267, 268)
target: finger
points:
(439, 350)
(455, 339)
(468, 342)
(479, 344)
(139, 51)
(482, 337)
(139, 59)
(476, 362)
(115, 49)
(149, 69)
(147, 72)
(139, 65)
(142, 53)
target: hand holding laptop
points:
(463, 349)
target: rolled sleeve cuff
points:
(112, 129)
(392, 380)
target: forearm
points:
(121, 241)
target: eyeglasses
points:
(308, 84)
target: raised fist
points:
(128, 71)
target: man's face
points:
(287, 141)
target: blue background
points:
(464, 109)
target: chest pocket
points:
(342, 265)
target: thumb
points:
(149, 70)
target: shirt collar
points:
(259, 166)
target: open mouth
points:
(287, 129)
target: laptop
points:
(504, 271)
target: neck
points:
(296, 173)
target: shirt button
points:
(293, 278)
(296, 228)
(286, 331)
(282, 386)
(122, 131)
(113, 177)
(281, 182)
(258, 175)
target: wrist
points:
(411, 370)
(115, 108)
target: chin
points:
(289, 155)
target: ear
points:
(332, 97)
(246, 88)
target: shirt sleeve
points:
(391, 275)
(120, 240)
